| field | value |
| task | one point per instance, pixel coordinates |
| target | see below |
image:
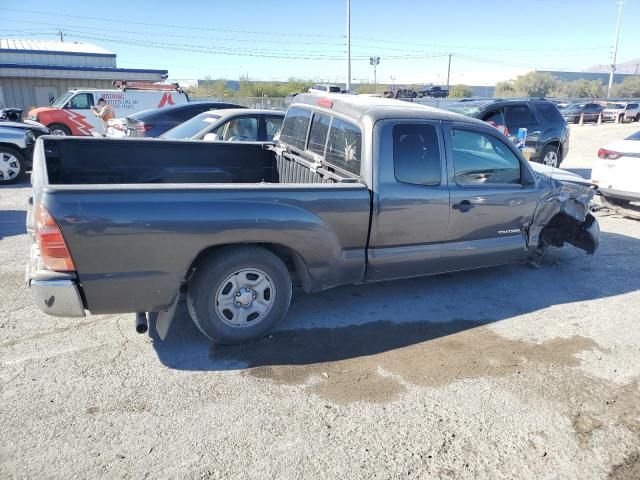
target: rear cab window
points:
(416, 154)
(549, 112)
(337, 141)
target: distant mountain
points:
(631, 67)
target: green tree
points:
(458, 91)
(505, 89)
(535, 84)
(581, 89)
(630, 87)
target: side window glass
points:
(81, 101)
(495, 116)
(273, 125)
(481, 159)
(549, 112)
(519, 115)
(318, 133)
(243, 129)
(294, 128)
(416, 154)
(343, 147)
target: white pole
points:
(348, 45)
(615, 49)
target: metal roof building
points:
(34, 72)
(602, 77)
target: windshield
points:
(62, 100)
(193, 127)
(470, 110)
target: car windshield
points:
(465, 108)
(191, 128)
(62, 100)
(634, 136)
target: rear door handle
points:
(463, 206)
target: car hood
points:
(558, 174)
(26, 125)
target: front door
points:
(82, 120)
(493, 198)
(410, 211)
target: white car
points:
(625, 112)
(230, 125)
(616, 171)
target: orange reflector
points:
(53, 249)
(324, 102)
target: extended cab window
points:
(481, 159)
(318, 133)
(343, 146)
(81, 101)
(416, 154)
(295, 126)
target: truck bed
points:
(136, 219)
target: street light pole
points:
(375, 61)
(348, 45)
(615, 49)
(448, 71)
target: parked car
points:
(71, 114)
(17, 138)
(319, 88)
(434, 92)
(547, 132)
(616, 171)
(589, 111)
(156, 121)
(232, 125)
(400, 93)
(623, 111)
(357, 189)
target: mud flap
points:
(165, 318)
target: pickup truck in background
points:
(356, 189)
(434, 92)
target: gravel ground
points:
(503, 373)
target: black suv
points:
(547, 130)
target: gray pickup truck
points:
(356, 189)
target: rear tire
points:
(239, 294)
(551, 156)
(12, 165)
(59, 129)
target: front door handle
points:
(463, 206)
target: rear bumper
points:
(620, 194)
(55, 293)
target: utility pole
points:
(348, 45)
(375, 61)
(615, 49)
(449, 72)
(61, 35)
(393, 79)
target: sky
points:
(490, 40)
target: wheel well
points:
(292, 260)
(557, 145)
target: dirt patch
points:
(628, 469)
(371, 362)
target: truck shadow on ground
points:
(355, 321)
(12, 222)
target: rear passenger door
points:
(493, 197)
(521, 116)
(410, 211)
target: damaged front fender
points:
(562, 216)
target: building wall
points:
(21, 92)
(56, 58)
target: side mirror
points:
(211, 137)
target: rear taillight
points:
(143, 128)
(608, 154)
(53, 249)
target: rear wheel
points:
(59, 129)
(551, 156)
(239, 294)
(12, 165)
